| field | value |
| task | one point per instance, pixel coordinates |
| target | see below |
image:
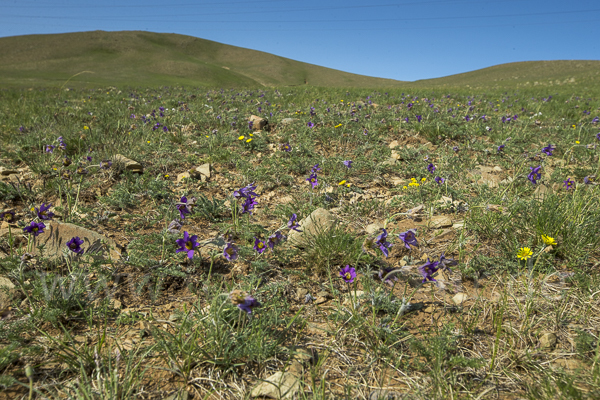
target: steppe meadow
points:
(299, 243)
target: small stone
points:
(258, 123)
(384, 394)
(287, 121)
(548, 341)
(204, 171)
(390, 161)
(8, 171)
(440, 221)
(374, 228)
(116, 304)
(281, 385)
(352, 297)
(129, 164)
(183, 176)
(7, 292)
(321, 300)
(393, 144)
(301, 294)
(459, 298)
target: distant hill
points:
(140, 58)
(152, 59)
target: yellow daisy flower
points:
(549, 241)
(524, 253)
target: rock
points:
(8, 171)
(393, 144)
(258, 123)
(128, 164)
(541, 191)
(438, 221)
(351, 297)
(395, 155)
(319, 221)
(183, 176)
(301, 294)
(570, 364)
(7, 293)
(204, 171)
(460, 298)
(390, 161)
(281, 385)
(287, 121)
(180, 395)
(458, 225)
(321, 300)
(374, 228)
(57, 234)
(384, 394)
(488, 176)
(303, 355)
(548, 341)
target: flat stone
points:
(321, 300)
(351, 297)
(393, 144)
(460, 298)
(390, 161)
(439, 221)
(7, 293)
(384, 394)
(301, 294)
(129, 164)
(287, 121)
(374, 228)
(183, 176)
(258, 123)
(204, 170)
(57, 234)
(319, 221)
(547, 341)
(281, 385)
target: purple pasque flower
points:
(43, 212)
(8, 216)
(286, 147)
(548, 149)
(292, 224)
(313, 180)
(248, 205)
(35, 228)
(315, 168)
(456, 149)
(569, 184)
(382, 242)
(348, 274)
(598, 135)
(535, 174)
(61, 143)
(275, 239)
(348, 163)
(243, 301)
(409, 238)
(187, 244)
(428, 269)
(66, 161)
(588, 180)
(386, 277)
(50, 148)
(75, 245)
(419, 118)
(310, 125)
(245, 192)
(500, 148)
(105, 164)
(431, 168)
(182, 207)
(259, 245)
(174, 227)
(230, 251)
(446, 263)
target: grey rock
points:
(548, 341)
(7, 292)
(281, 385)
(128, 164)
(319, 221)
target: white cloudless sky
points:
(403, 39)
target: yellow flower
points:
(577, 142)
(86, 127)
(250, 134)
(148, 142)
(348, 184)
(548, 240)
(342, 101)
(241, 138)
(206, 135)
(574, 126)
(524, 253)
(404, 188)
(342, 182)
(249, 140)
(413, 180)
(338, 125)
(167, 175)
(423, 179)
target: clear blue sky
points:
(398, 39)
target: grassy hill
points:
(152, 59)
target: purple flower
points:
(274, 240)
(182, 206)
(569, 184)
(66, 161)
(259, 245)
(312, 179)
(105, 164)
(35, 228)
(381, 241)
(467, 118)
(409, 238)
(174, 227)
(292, 224)
(348, 274)
(81, 170)
(75, 245)
(419, 118)
(310, 124)
(535, 174)
(245, 192)
(500, 148)
(348, 163)
(455, 148)
(89, 158)
(8, 216)
(439, 180)
(187, 244)
(61, 143)
(165, 129)
(595, 120)
(286, 147)
(315, 168)
(428, 269)
(598, 136)
(43, 212)
(431, 168)
(243, 301)
(230, 251)
(50, 148)
(548, 149)
(385, 276)
(248, 205)
(446, 263)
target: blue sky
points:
(398, 39)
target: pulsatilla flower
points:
(286, 147)
(446, 263)
(382, 242)
(431, 168)
(174, 227)
(245, 192)
(310, 124)
(43, 212)
(386, 275)
(348, 163)
(259, 245)
(348, 274)
(243, 301)
(439, 180)
(428, 269)
(535, 174)
(315, 168)
(188, 244)
(548, 241)
(50, 148)
(569, 184)
(548, 149)
(292, 224)
(66, 161)
(184, 207)
(589, 180)
(524, 253)
(409, 238)
(81, 170)
(275, 239)
(248, 205)
(313, 180)
(35, 228)
(230, 251)
(8, 216)
(500, 148)
(105, 164)
(75, 245)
